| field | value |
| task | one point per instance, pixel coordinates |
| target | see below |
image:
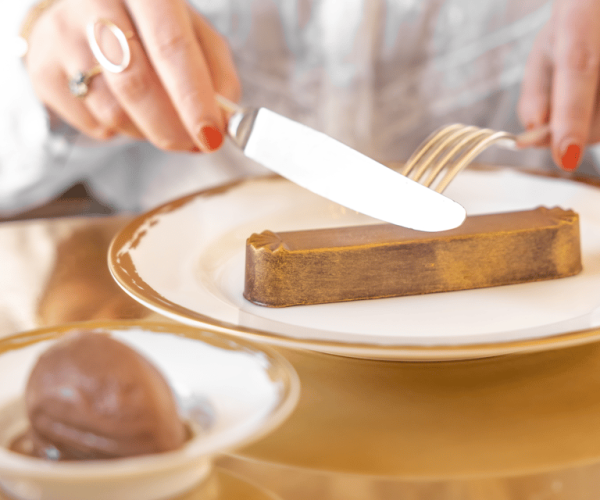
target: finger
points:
(50, 80)
(577, 63)
(141, 95)
(534, 102)
(594, 136)
(74, 111)
(100, 101)
(219, 58)
(106, 109)
(170, 41)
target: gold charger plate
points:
(496, 417)
(185, 260)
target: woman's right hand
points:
(167, 93)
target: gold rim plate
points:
(185, 260)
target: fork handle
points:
(532, 137)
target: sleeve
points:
(34, 148)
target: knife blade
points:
(337, 172)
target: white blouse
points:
(379, 75)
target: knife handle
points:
(230, 107)
(240, 120)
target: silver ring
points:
(79, 83)
(108, 65)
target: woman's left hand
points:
(561, 81)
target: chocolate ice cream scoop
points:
(91, 397)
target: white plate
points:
(186, 260)
(232, 392)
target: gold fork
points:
(451, 148)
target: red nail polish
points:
(570, 158)
(211, 137)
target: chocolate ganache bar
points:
(383, 260)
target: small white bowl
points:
(231, 392)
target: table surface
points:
(520, 426)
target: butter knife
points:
(337, 172)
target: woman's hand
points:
(561, 80)
(167, 93)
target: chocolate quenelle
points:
(384, 260)
(92, 397)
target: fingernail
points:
(211, 137)
(570, 158)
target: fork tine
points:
(466, 139)
(469, 154)
(433, 151)
(448, 150)
(425, 145)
